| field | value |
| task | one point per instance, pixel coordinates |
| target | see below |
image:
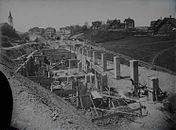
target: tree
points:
(85, 26)
(9, 31)
(24, 36)
(76, 29)
(96, 24)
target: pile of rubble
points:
(38, 108)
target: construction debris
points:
(84, 81)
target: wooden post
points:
(155, 87)
(69, 63)
(134, 74)
(104, 61)
(96, 81)
(175, 61)
(117, 67)
(82, 59)
(88, 53)
(94, 58)
(104, 81)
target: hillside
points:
(103, 35)
(165, 57)
(34, 107)
(140, 47)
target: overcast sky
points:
(58, 13)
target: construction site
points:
(88, 64)
(107, 93)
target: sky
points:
(59, 13)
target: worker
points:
(132, 90)
(132, 82)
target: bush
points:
(5, 41)
(9, 31)
(104, 35)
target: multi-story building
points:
(96, 25)
(118, 25)
(113, 24)
(164, 26)
(129, 23)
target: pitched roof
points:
(159, 23)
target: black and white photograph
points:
(88, 64)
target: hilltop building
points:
(164, 26)
(50, 33)
(96, 25)
(155, 22)
(10, 19)
(115, 24)
(129, 23)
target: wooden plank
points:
(105, 95)
(98, 68)
(28, 58)
(116, 113)
(93, 104)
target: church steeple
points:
(10, 19)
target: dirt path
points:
(159, 53)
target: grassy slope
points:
(102, 35)
(166, 59)
(143, 47)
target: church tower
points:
(10, 19)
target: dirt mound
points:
(37, 108)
